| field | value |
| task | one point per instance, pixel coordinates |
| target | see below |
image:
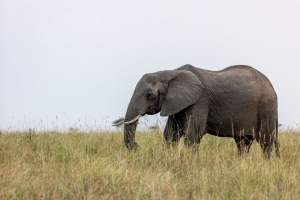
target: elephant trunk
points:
(129, 135)
(130, 124)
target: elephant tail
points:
(276, 142)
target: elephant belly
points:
(233, 125)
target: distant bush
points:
(154, 128)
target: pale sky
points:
(75, 63)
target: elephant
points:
(238, 102)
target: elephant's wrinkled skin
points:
(238, 102)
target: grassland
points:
(53, 165)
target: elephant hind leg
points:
(276, 142)
(277, 145)
(243, 144)
(267, 136)
(267, 147)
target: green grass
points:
(53, 165)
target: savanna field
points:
(96, 165)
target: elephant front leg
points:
(173, 132)
(194, 130)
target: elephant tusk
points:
(135, 119)
(119, 123)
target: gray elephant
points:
(238, 102)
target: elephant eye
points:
(148, 95)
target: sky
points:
(76, 63)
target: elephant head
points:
(167, 92)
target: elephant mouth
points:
(153, 111)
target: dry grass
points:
(55, 165)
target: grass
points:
(53, 165)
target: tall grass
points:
(53, 165)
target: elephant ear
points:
(184, 89)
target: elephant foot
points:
(132, 146)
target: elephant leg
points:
(194, 130)
(173, 132)
(277, 145)
(276, 142)
(243, 144)
(266, 137)
(195, 122)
